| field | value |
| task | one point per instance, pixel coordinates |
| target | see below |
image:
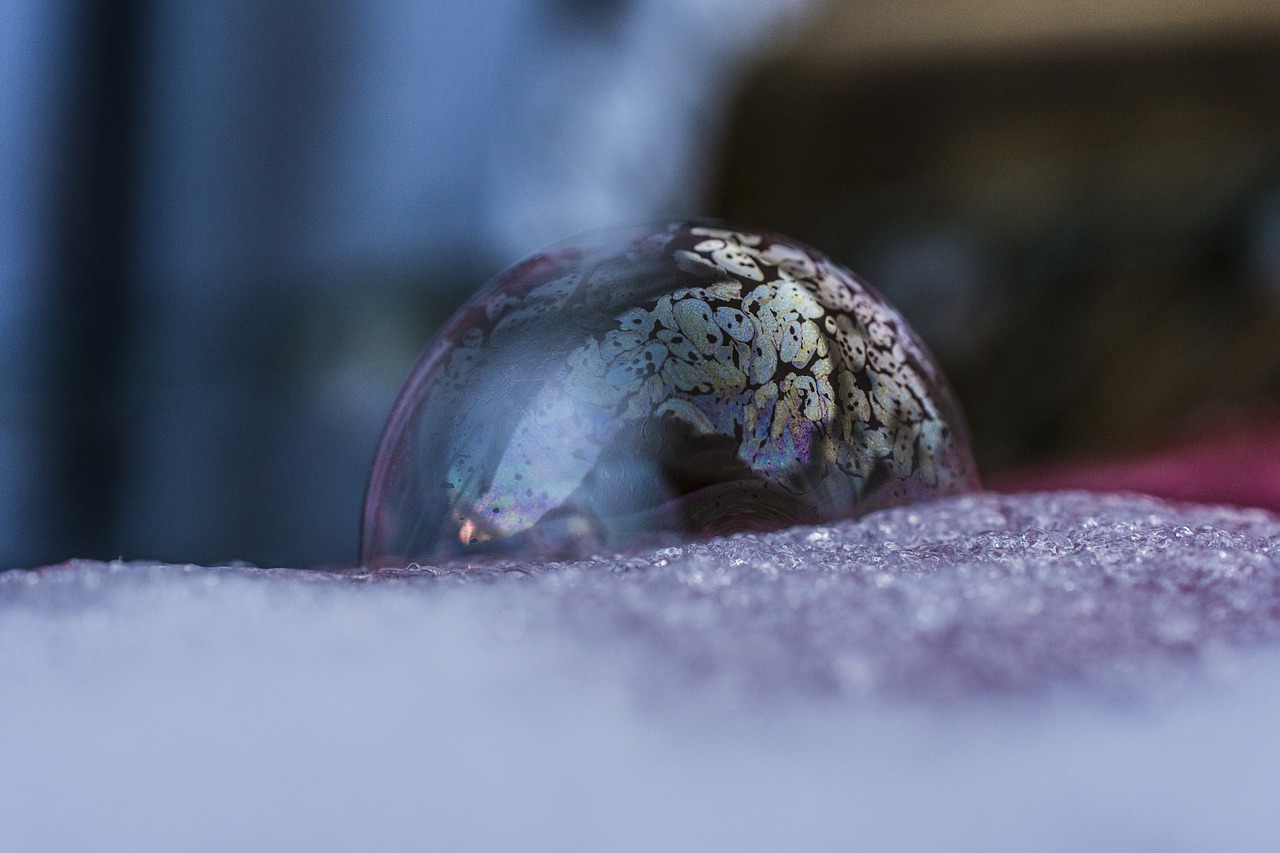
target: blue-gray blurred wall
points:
(226, 229)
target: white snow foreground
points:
(1047, 672)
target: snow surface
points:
(1048, 672)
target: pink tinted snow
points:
(976, 595)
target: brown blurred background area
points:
(226, 230)
(1077, 204)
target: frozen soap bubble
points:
(650, 386)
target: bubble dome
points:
(635, 388)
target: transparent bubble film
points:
(655, 386)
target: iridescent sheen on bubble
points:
(681, 381)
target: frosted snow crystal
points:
(938, 676)
(962, 596)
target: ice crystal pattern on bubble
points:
(687, 380)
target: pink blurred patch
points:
(1234, 461)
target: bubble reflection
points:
(651, 386)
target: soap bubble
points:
(652, 386)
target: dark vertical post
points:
(94, 239)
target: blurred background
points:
(227, 229)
